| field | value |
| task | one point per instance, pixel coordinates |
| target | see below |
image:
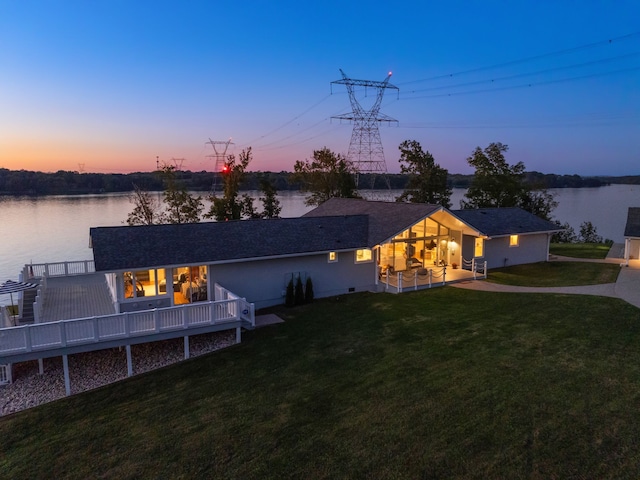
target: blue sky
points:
(108, 86)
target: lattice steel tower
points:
(220, 156)
(365, 148)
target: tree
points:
(270, 204)
(589, 233)
(567, 235)
(146, 210)
(497, 184)
(327, 175)
(427, 181)
(229, 206)
(181, 206)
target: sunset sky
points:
(108, 86)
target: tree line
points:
(62, 182)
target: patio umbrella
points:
(12, 287)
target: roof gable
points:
(386, 219)
(495, 222)
(632, 228)
(127, 247)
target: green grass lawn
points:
(442, 383)
(555, 274)
(580, 250)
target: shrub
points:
(289, 300)
(308, 291)
(299, 292)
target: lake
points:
(56, 228)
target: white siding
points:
(531, 249)
(264, 282)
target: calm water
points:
(56, 228)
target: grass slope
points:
(444, 383)
(555, 274)
(580, 250)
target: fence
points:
(64, 333)
(59, 269)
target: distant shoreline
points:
(30, 183)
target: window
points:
(479, 248)
(513, 240)
(145, 283)
(364, 255)
(333, 257)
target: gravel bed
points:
(95, 369)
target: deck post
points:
(129, 363)
(238, 335)
(67, 379)
(186, 347)
(40, 366)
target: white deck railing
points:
(64, 333)
(59, 269)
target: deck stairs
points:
(28, 297)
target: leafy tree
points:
(589, 233)
(146, 210)
(326, 175)
(495, 182)
(181, 206)
(230, 206)
(567, 235)
(539, 202)
(270, 204)
(427, 181)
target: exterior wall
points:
(634, 249)
(497, 252)
(531, 249)
(264, 282)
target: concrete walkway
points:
(627, 286)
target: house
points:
(344, 245)
(632, 235)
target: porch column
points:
(129, 363)
(238, 335)
(186, 347)
(40, 366)
(67, 379)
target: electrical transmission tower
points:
(365, 149)
(220, 156)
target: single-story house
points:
(343, 246)
(632, 235)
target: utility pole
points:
(365, 148)
(220, 155)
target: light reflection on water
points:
(56, 228)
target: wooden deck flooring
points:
(77, 296)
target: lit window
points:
(513, 240)
(333, 257)
(479, 248)
(364, 255)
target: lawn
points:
(441, 383)
(555, 274)
(580, 250)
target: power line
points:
(529, 59)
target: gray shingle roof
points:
(120, 248)
(495, 222)
(632, 228)
(386, 219)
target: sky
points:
(116, 86)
